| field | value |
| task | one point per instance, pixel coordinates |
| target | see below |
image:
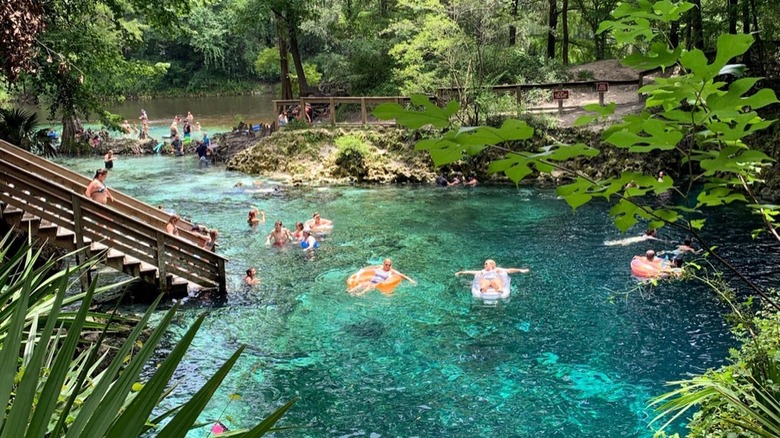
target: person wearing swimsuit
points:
(490, 276)
(97, 190)
(108, 160)
(279, 235)
(171, 226)
(211, 244)
(381, 275)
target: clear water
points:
(568, 356)
(214, 113)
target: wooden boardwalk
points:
(48, 201)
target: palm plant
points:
(53, 386)
(19, 127)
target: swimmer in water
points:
(491, 275)
(279, 235)
(649, 234)
(317, 222)
(253, 220)
(381, 275)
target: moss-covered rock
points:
(337, 156)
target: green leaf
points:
(718, 196)
(16, 425)
(698, 224)
(730, 46)
(430, 115)
(185, 418)
(127, 423)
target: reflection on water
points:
(564, 358)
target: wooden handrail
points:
(144, 240)
(76, 181)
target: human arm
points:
(466, 272)
(398, 273)
(515, 270)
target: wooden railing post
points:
(302, 112)
(161, 271)
(221, 276)
(81, 255)
(332, 111)
(639, 84)
(363, 112)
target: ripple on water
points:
(567, 356)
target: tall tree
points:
(565, 32)
(552, 26)
(732, 7)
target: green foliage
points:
(53, 386)
(267, 64)
(296, 125)
(20, 128)
(352, 155)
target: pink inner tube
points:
(658, 268)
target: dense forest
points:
(372, 47)
(77, 55)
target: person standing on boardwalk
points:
(97, 190)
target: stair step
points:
(46, 225)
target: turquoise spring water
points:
(568, 356)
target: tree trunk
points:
(674, 34)
(284, 63)
(565, 43)
(553, 25)
(697, 31)
(745, 16)
(303, 85)
(732, 7)
(70, 126)
(512, 27)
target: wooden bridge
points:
(49, 201)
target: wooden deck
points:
(48, 200)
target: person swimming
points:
(649, 234)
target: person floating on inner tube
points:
(381, 275)
(491, 275)
(316, 223)
(308, 243)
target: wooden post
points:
(363, 112)
(519, 95)
(332, 111)
(81, 255)
(601, 98)
(302, 112)
(640, 83)
(222, 280)
(560, 102)
(161, 271)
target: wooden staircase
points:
(48, 201)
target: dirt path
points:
(625, 96)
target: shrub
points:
(352, 156)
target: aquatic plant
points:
(63, 383)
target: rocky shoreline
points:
(386, 155)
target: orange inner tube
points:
(641, 267)
(364, 276)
